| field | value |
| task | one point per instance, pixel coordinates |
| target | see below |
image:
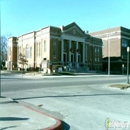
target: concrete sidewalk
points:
(16, 116)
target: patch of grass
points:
(121, 86)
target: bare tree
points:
(3, 47)
(22, 60)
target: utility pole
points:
(128, 51)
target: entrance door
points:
(79, 58)
(65, 58)
(72, 59)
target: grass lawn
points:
(121, 86)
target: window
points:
(10, 50)
(95, 49)
(54, 50)
(124, 53)
(45, 46)
(27, 51)
(86, 51)
(39, 49)
(98, 50)
(30, 52)
(124, 43)
(20, 50)
(24, 51)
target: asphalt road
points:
(81, 102)
(17, 83)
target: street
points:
(81, 102)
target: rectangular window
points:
(98, 51)
(39, 49)
(10, 50)
(124, 43)
(45, 46)
(95, 49)
(19, 49)
(124, 53)
(54, 50)
(30, 52)
(86, 51)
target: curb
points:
(57, 126)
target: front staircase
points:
(79, 69)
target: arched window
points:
(27, 51)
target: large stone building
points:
(51, 47)
(115, 43)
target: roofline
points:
(120, 27)
(12, 37)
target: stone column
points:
(62, 50)
(83, 53)
(70, 64)
(77, 64)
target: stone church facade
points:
(50, 47)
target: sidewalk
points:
(16, 116)
(52, 74)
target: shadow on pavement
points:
(12, 118)
(6, 102)
(65, 126)
(8, 127)
(62, 96)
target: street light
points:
(128, 50)
(109, 55)
(108, 35)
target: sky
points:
(19, 17)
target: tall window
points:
(95, 49)
(20, 51)
(39, 49)
(124, 43)
(54, 50)
(30, 52)
(98, 51)
(10, 50)
(24, 51)
(27, 51)
(45, 46)
(86, 51)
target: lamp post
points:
(107, 37)
(109, 55)
(128, 50)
